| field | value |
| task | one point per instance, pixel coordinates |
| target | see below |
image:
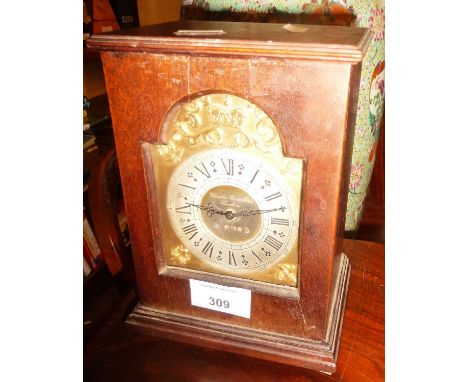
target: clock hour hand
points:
(210, 209)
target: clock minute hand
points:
(212, 209)
(258, 212)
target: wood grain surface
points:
(320, 42)
(314, 127)
(307, 83)
(115, 354)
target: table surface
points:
(116, 354)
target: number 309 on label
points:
(221, 298)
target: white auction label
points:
(220, 298)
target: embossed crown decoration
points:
(220, 120)
(226, 117)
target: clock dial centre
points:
(232, 212)
(229, 213)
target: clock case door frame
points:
(156, 215)
(313, 103)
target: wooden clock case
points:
(307, 82)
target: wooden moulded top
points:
(318, 42)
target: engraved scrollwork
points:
(180, 255)
(171, 152)
(286, 273)
(241, 140)
(220, 120)
(266, 136)
(214, 136)
(290, 166)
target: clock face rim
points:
(215, 180)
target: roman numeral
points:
(273, 243)
(232, 259)
(253, 177)
(208, 248)
(273, 196)
(184, 185)
(230, 166)
(204, 171)
(184, 210)
(192, 228)
(259, 259)
(279, 221)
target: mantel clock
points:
(234, 143)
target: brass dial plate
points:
(231, 211)
(229, 201)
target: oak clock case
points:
(229, 200)
(234, 153)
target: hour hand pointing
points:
(210, 209)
